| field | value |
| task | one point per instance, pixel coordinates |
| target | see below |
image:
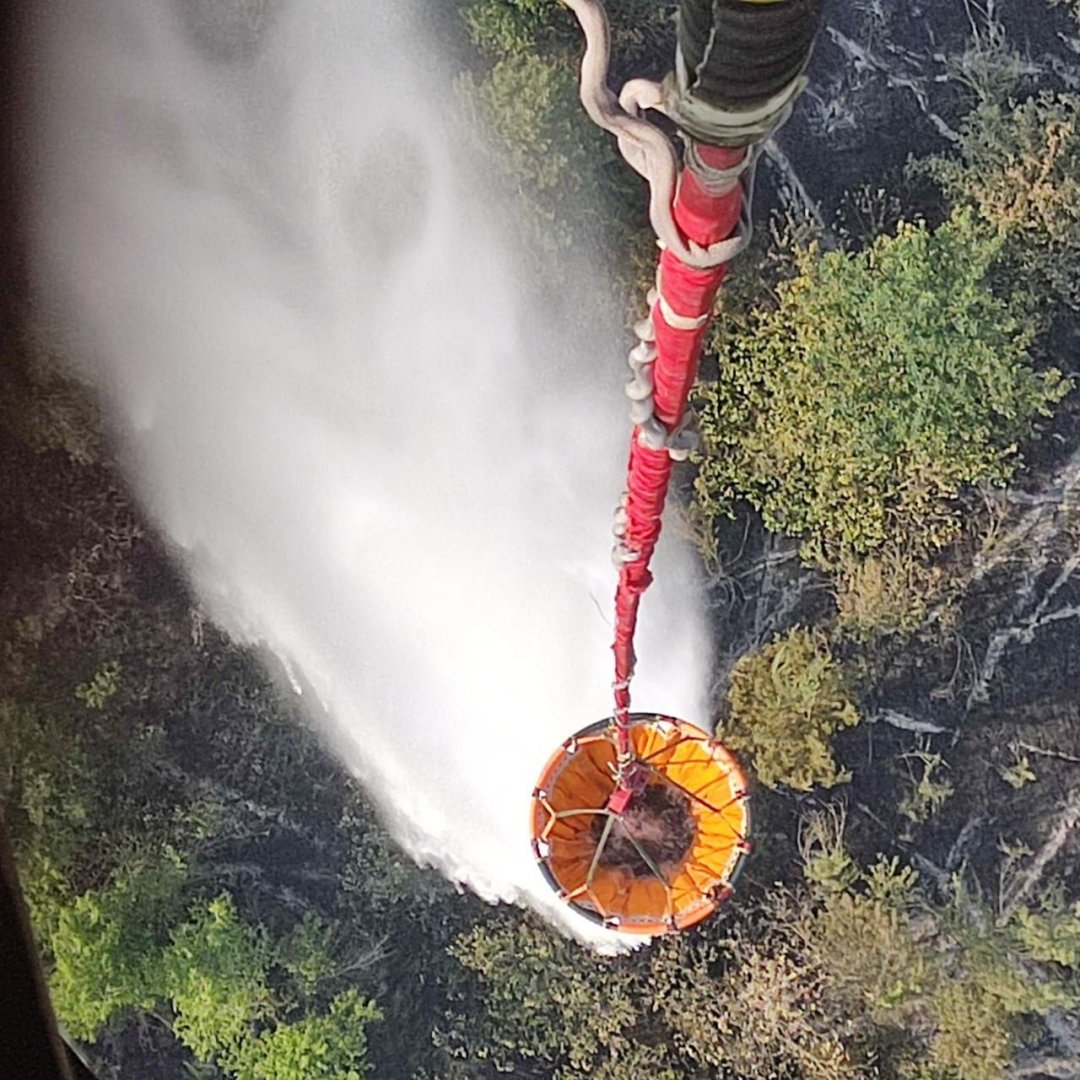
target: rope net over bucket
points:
(659, 861)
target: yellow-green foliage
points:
(503, 28)
(104, 945)
(543, 998)
(826, 862)
(689, 1006)
(1019, 167)
(980, 996)
(956, 985)
(508, 28)
(96, 693)
(1052, 934)
(330, 1046)
(564, 171)
(125, 947)
(215, 974)
(1018, 772)
(784, 704)
(895, 963)
(870, 951)
(307, 953)
(927, 788)
(766, 1017)
(528, 106)
(852, 411)
(887, 591)
(971, 1042)
(863, 935)
(860, 977)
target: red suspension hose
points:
(686, 297)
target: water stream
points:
(259, 234)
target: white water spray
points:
(334, 398)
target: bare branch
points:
(1025, 628)
(906, 723)
(964, 840)
(1021, 887)
(895, 75)
(794, 191)
(1046, 751)
(1032, 533)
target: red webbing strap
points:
(704, 218)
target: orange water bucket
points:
(669, 858)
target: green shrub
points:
(767, 1016)
(926, 790)
(886, 591)
(1019, 167)
(541, 997)
(930, 989)
(507, 28)
(1052, 934)
(827, 865)
(540, 141)
(784, 704)
(502, 28)
(565, 172)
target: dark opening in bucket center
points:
(660, 822)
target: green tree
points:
(563, 169)
(330, 1046)
(741, 1004)
(924, 983)
(116, 842)
(751, 1007)
(215, 974)
(504, 28)
(542, 142)
(853, 411)
(785, 702)
(215, 978)
(104, 946)
(861, 975)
